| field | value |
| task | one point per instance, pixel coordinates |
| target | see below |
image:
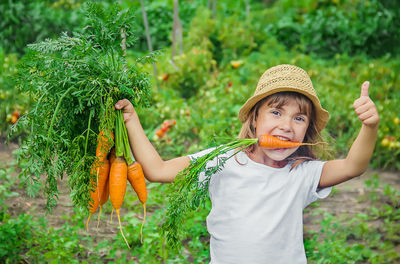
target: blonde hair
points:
(278, 100)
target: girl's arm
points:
(154, 167)
(357, 160)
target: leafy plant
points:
(332, 27)
(11, 102)
(186, 73)
(25, 238)
(75, 82)
(15, 232)
(160, 21)
(25, 22)
(6, 182)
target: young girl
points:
(259, 196)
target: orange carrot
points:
(271, 142)
(105, 141)
(112, 155)
(112, 159)
(106, 193)
(101, 179)
(136, 179)
(103, 198)
(117, 185)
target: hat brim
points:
(322, 115)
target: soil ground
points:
(345, 200)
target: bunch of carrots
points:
(113, 167)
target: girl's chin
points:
(279, 154)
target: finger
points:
(361, 101)
(365, 89)
(121, 104)
(369, 116)
(363, 108)
(365, 115)
(372, 121)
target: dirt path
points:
(344, 200)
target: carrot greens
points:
(122, 147)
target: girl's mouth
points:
(282, 138)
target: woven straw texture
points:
(285, 78)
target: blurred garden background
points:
(208, 56)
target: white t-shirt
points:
(257, 210)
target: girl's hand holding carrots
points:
(365, 108)
(128, 110)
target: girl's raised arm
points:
(154, 167)
(360, 153)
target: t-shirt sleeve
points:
(200, 154)
(313, 171)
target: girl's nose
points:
(285, 124)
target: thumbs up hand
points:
(365, 108)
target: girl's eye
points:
(275, 112)
(299, 118)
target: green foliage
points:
(331, 27)
(160, 19)
(159, 15)
(25, 22)
(10, 100)
(160, 22)
(232, 40)
(75, 82)
(27, 239)
(15, 232)
(7, 181)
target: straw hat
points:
(285, 78)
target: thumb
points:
(121, 104)
(365, 89)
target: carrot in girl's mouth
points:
(271, 142)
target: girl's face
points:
(286, 122)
